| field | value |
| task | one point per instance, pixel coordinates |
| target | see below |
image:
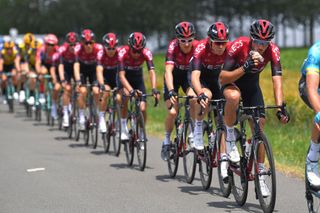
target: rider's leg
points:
(103, 108)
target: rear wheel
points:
(129, 144)
(238, 176)
(265, 177)
(94, 131)
(205, 163)
(225, 185)
(141, 142)
(116, 130)
(189, 155)
(173, 160)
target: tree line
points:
(153, 16)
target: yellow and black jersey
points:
(8, 58)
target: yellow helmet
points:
(28, 38)
(8, 44)
(35, 44)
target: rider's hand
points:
(248, 65)
(132, 93)
(63, 83)
(78, 83)
(101, 88)
(173, 96)
(203, 100)
(156, 93)
(283, 115)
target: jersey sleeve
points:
(230, 61)
(121, 56)
(170, 52)
(276, 69)
(196, 59)
(312, 63)
(149, 58)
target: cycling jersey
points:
(48, 58)
(67, 54)
(88, 58)
(312, 63)
(23, 50)
(8, 59)
(110, 65)
(239, 52)
(176, 57)
(31, 57)
(181, 62)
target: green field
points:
(289, 142)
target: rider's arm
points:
(168, 76)
(277, 89)
(100, 74)
(312, 81)
(228, 74)
(195, 81)
(1, 64)
(76, 68)
(124, 81)
(153, 78)
(17, 63)
(61, 71)
(53, 74)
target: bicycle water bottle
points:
(248, 148)
(212, 138)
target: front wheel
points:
(225, 185)
(173, 160)
(205, 163)
(141, 142)
(129, 144)
(265, 174)
(116, 130)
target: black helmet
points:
(218, 32)
(262, 29)
(185, 30)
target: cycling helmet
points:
(72, 38)
(8, 44)
(137, 41)
(110, 40)
(51, 39)
(185, 30)
(218, 32)
(35, 44)
(87, 36)
(262, 30)
(28, 38)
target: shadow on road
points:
(167, 178)
(77, 145)
(196, 190)
(61, 138)
(125, 166)
(40, 124)
(232, 206)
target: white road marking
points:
(36, 169)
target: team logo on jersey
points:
(276, 52)
(236, 45)
(199, 48)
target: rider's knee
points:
(232, 95)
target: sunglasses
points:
(136, 51)
(111, 48)
(186, 40)
(260, 42)
(218, 43)
(89, 43)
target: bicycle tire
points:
(239, 180)
(225, 188)
(173, 161)
(141, 143)
(309, 194)
(106, 136)
(189, 155)
(267, 203)
(205, 163)
(86, 133)
(129, 144)
(116, 131)
(94, 130)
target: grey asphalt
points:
(80, 179)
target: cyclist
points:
(85, 67)
(309, 92)
(107, 73)
(46, 62)
(24, 48)
(67, 59)
(240, 78)
(10, 63)
(179, 53)
(30, 61)
(131, 58)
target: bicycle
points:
(137, 132)
(312, 195)
(210, 157)
(181, 146)
(112, 117)
(251, 151)
(72, 129)
(48, 97)
(9, 90)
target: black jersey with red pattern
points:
(176, 57)
(48, 57)
(108, 62)
(127, 62)
(67, 53)
(88, 58)
(239, 52)
(206, 61)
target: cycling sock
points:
(101, 114)
(230, 133)
(65, 109)
(123, 123)
(313, 154)
(167, 138)
(81, 114)
(198, 126)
